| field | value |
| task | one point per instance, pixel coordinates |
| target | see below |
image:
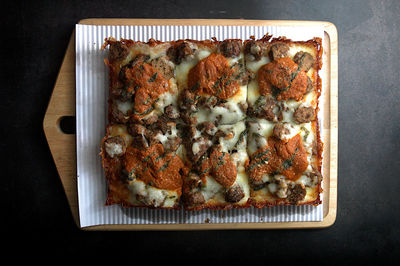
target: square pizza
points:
(213, 124)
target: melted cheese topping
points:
(229, 143)
(229, 113)
(211, 188)
(151, 196)
(243, 180)
(163, 138)
(142, 48)
(113, 149)
(168, 98)
(120, 130)
(124, 107)
(254, 66)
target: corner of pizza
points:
(213, 124)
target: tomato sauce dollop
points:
(155, 167)
(148, 84)
(220, 166)
(279, 157)
(213, 76)
(285, 75)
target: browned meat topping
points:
(304, 114)
(304, 60)
(231, 48)
(163, 65)
(118, 51)
(115, 146)
(266, 108)
(194, 198)
(208, 127)
(254, 48)
(171, 112)
(178, 52)
(278, 50)
(192, 181)
(234, 194)
(296, 193)
(310, 86)
(280, 130)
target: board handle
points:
(60, 127)
(67, 124)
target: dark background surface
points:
(36, 210)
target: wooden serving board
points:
(63, 146)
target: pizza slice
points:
(284, 144)
(213, 84)
(142, 84)
(217, 177)
(282, 72)
(212, 80)
(138, 175)
(141, 149)
(284, 165)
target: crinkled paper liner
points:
(91, 118)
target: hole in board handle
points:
(67, 124)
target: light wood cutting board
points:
(63, 146)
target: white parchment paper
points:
(91, 98)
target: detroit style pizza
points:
(213, 124)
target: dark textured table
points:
(367, 225)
